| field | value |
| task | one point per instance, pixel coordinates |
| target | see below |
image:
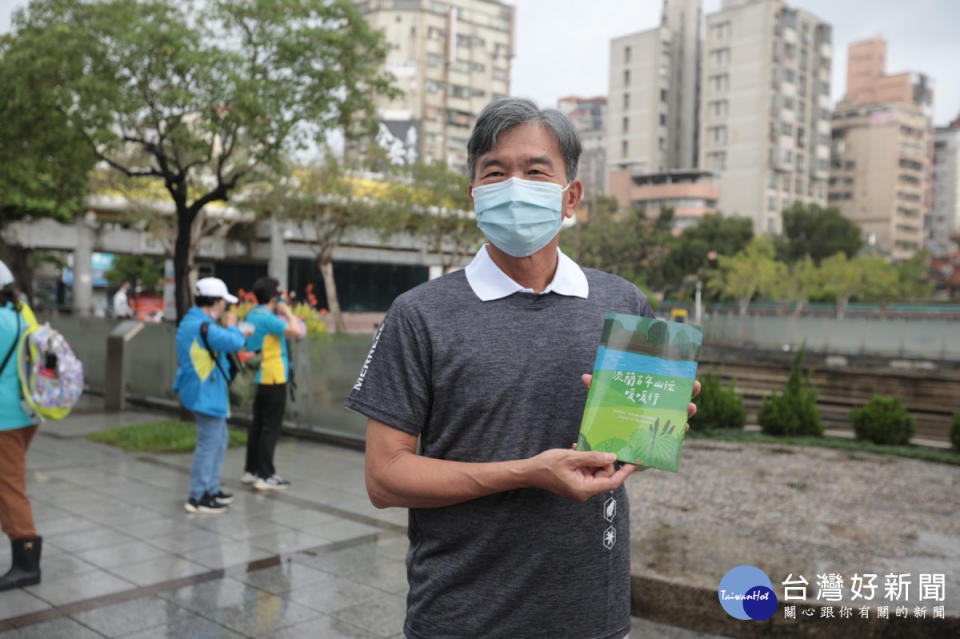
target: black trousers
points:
(268, 406)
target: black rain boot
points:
(26, 564)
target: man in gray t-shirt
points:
(473, 390)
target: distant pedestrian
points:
(121, 303)
(17, 429)
(274, 323)
(202, 378)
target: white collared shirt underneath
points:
(490, 283)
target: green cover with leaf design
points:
(642, 382)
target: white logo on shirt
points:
(366, 363)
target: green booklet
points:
(642, 382)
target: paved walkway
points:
(121, 558)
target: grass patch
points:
(923, 453)
(164, 436)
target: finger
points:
(594, 458)
(696, 389)
(574, 447)
(586, 379)
(691, 410)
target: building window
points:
(626, 54)
(718, 135)
(626, 101)
(786, 128)
(663, 119)
(720, 57)
(771, 203)
(720, 82)
(799, 164)
(801, 109)
(626, 76)
(788, 102)
(717, 160)
(801, 137)
(623, 148)
(663, 95)
(719, 108)
(626, 124)
(788, 75)
(662, 144)
(824, 88)
(720, 30)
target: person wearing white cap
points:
(201, 381)
(16, 432)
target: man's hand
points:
(577, 475)
(229, 319)
(691, 407)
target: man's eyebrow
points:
(539, 159)
(490, 162)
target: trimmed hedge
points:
(717, 406)
(884, 420)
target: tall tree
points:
(812, 231)
(803, 281)
(212, 94)
(433, 203)
(750, 272)
(713, 235)
(845, 278)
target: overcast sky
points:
(563, 46)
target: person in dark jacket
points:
(17, 429)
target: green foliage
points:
(44, 163)
(793, 412)
(803, 282)
(749, 272)
(844, 278)
(626, 243)
(202, 97)
(955, 431)
(164, 436)
(884, 420)
(915, 282)
(713, 235)
(148, 271)
(717, 406)
(810, 231)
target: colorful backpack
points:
(51, 376)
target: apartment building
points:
(450, 58)
(882, 151)
(654, 83)
(765, 108)
(589, 117)
(943, 228)
(878, 177)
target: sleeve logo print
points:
(366, 363)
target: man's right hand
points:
(575, 474)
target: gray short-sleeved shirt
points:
(491, 381)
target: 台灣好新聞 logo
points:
(747, 593)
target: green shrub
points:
(793, 412)
(884, 420)
(717, 406)
(955, 431)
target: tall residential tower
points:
(450, 58)
(765, 108)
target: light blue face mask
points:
(519, 216)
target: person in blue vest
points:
(201, 381)
(17, 429)
(274, 324)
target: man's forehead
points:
(525, 143)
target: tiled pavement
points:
(121, 558)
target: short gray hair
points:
(499, 117)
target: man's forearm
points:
(409, 480)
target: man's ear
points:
(470, 195)
(572, 197)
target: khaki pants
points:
(16, 517)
